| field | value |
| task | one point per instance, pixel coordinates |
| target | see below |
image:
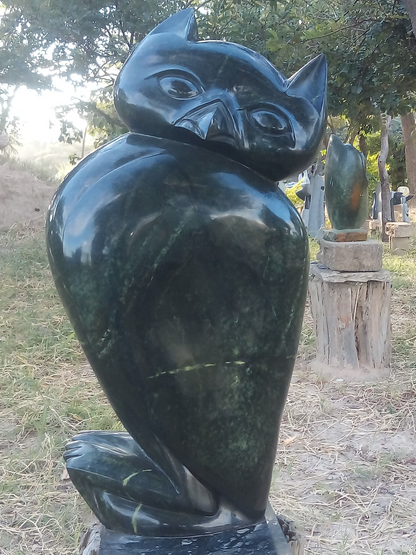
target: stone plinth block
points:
(373, 225)
(400, 236)
(399, 229)
(351, 313)
(345, 235)
(265, 538)
(400, 245)
(352, 256)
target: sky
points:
(36, 111)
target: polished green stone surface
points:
(187, 295)
(183, 269)
(264, 538)
(346, 185)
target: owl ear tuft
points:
(183, 24)
(310, 82)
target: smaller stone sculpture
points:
(346, 191)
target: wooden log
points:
(351, 313)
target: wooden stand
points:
(351, 312)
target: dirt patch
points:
(346, 463)
(348, 373)
(23, 197)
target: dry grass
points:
(48, 394)
(346, 463)
(346, 466)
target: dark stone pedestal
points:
(265, 538)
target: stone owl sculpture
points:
(183, 269)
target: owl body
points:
(183, 269)
(171, 263)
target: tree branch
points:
(92, 107)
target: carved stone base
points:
(400, 236)
(266, 538)
(363, 256)
(399, 229)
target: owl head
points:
(222, 97)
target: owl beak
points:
(211, 122)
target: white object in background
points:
(304, 178)
(405, 191)
(316, 220)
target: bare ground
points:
(346, 461)
(23, 197)
(346, 464)
(345, 469)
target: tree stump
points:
(351, 313)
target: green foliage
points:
(373, 145)
(372, 175)
(292, 196)
(21, 63)
(372, 168)
(84, 41)
(81, 41)
(369, 46)
(74, 159)
(103, 121)
(370, 52)
(88, 42)
(397, 165)
(314, 249)
(69, 133)
(396, 161)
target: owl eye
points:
(179, 87)
(269, 122)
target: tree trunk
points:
(84, 136)
(363, 145)
(409, 126)
(352, 133)
(410, 6)
(384, 176)
(331, 125)
(352, 137)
